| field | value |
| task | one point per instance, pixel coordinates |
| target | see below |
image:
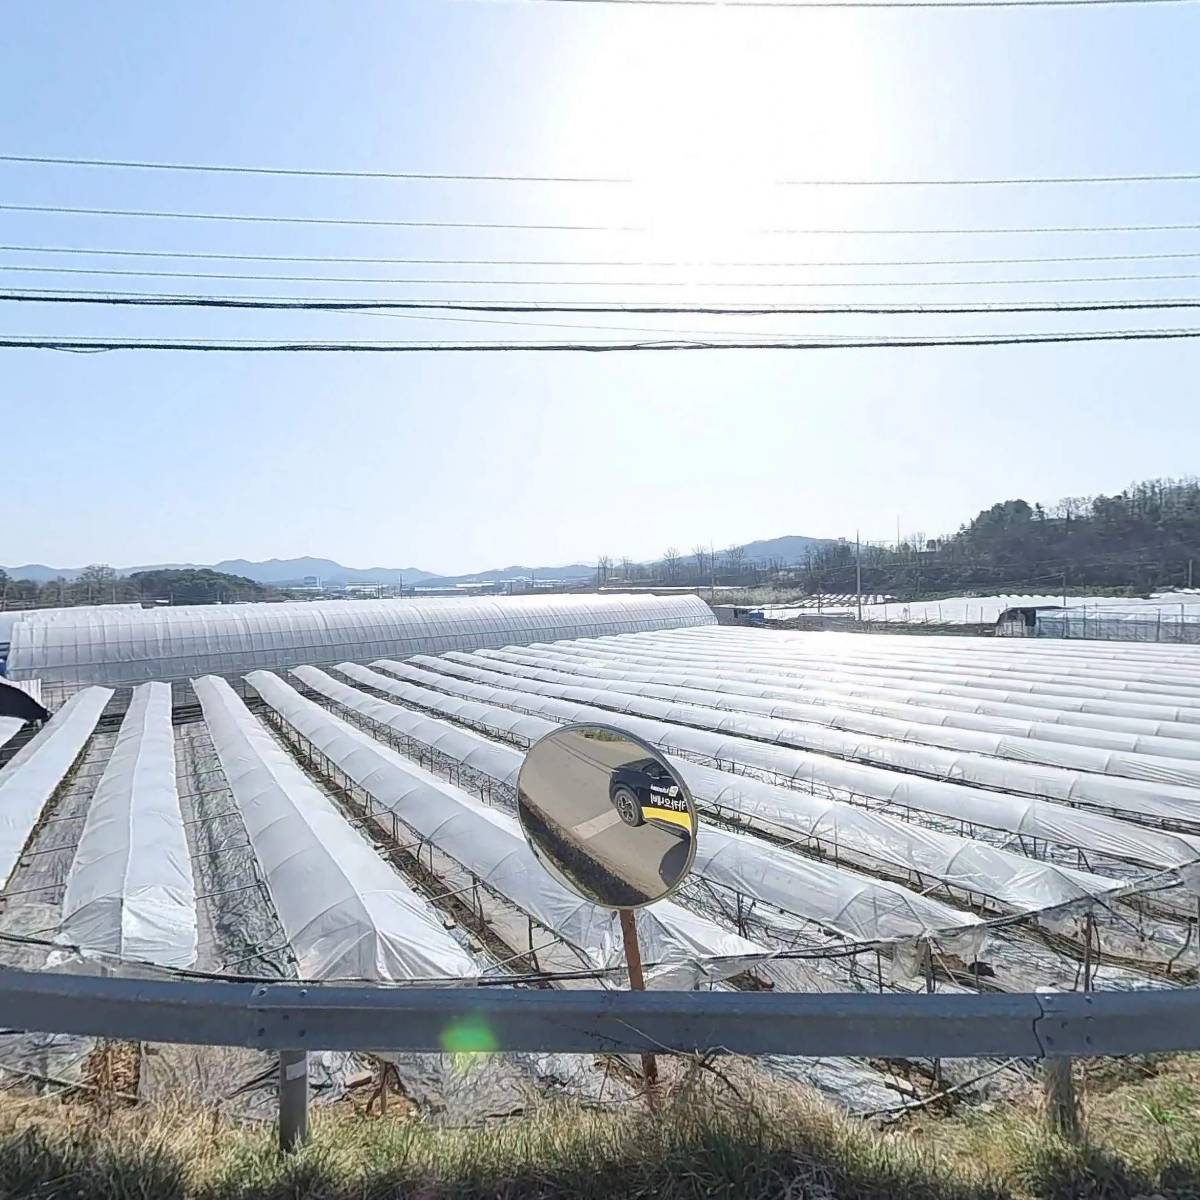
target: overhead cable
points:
(441, 313)
(607, 283)
(400, 224)
(321, 304)
(322, 172)
(726, 5)
(758, 264)
(342, 173)
(168, 214)
(997, 180)
(99, 344)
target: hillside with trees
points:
(101, 584)
(1143, 538)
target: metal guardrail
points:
(294, 1017)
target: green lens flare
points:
(471, 1035)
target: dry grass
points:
(1145, 1141)
(696, 1146)
(1142, 1135)
(767, 594)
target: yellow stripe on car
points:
(668, 816)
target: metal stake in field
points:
(637, 983)
(858, 573)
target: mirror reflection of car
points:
(643, 790)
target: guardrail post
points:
(293, 1098)
(1062, 1107)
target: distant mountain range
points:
(282, 571)
(273, 570)
(790, 550)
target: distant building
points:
(738, 614)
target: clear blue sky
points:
(454, 463)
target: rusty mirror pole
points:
(610, 819)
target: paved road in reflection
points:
(568, 781)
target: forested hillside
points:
(100, 584)
(1146, 537)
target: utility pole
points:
(858, 572)
(1190, 563)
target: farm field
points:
(878, 814)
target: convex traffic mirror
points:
(607, 815)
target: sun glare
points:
(708, 114)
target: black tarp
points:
(16, 703)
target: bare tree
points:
(1071, 508)
(701, 556)
(735, 559)
(98, 581)
(671, 561)
(626, 569)
(603, 568)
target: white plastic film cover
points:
(346, 913)
(1150, 675)
(31, 776)
(520, 727)
(9, 617)
(819, 892)
(488, 758)
(1015, 880)
(676, 944)
(985, 610)
(892, 722)
(1063, 685)
(915, 707)
(1048, 821)
(856, 906)
(9, 727)
(1078, 649)
(1093, 701)
(1120, 662)
(103, 646)
(130, 891)
(1170, 801)
(1141, 703)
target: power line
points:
(902, 4)
(97, 344)
(320, 304)
(525, 324)
(1000, 181)
(442, 316)
(364, 221)
(306, 172)
(421, 224)
(338, 173)
(637, 283)
(763, 264)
